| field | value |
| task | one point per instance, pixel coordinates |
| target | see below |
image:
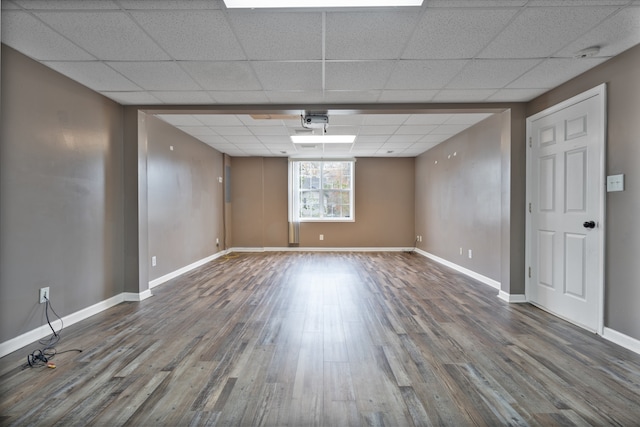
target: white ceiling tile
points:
(540, 32)
(299, 97)
(170, 4)
(397, 143)
(410, 74)
(218, 119)
(614, 35)
(67, 4)
(407, 95)
(346, 119)
(108, 35)
(515, 95)
(161, 76)
(278, 76)
(463, 95)
(95, 75)
(553, 72)
(234, 130)
(415, 129)
(248, 120)
(274, 140)
(427, 119)
(337, 147)
(197, 130)
(385, 119)
(202, 35)
(491, 74)
(360, 75)
(183, 97)
(403, 139)
(254, 30)
(179, 119)
(268, 130)
(223, 75)
(274, 146)
(368, 35)
(214, 139)
(341, 130)
(239, 97)
(466, 119)
(377, 130)
(366, 142)
(132, 98)
(456, 33)
(248, 140)
(351, 96)
(25, 33)
(447, 130)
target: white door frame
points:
(599, 91)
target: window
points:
(321, 190)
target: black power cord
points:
(41, 357)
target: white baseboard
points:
(622, 340)
(160, 280)
(132, 296)
(43, 331)
(479, 277)
(320, 249)
(512, 298)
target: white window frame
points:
(294, 192)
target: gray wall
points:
(458, 197)
(61, 204)
(622, 269)
(185, 199)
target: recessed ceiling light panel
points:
(270, 4)
(323, 139)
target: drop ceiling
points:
(198, 53)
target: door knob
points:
(589, 224)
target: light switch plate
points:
(615, 183)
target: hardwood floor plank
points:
(324, 339)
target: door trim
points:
(600, 92)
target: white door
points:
(565, 182)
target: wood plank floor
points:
(324, 339)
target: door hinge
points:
(529, 272)
(529, 207)
(529, 142)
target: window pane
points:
(323, 189)
(309, 204)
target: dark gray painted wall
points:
(458, 197)
(185, 199)
(622, 269)
(61, 204)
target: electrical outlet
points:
(217, 241)
(322, 237)
(44, 295)
(470, 253)
(154, 261)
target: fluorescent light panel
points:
(267, 4)
(323, 139)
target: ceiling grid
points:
(199, 53)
